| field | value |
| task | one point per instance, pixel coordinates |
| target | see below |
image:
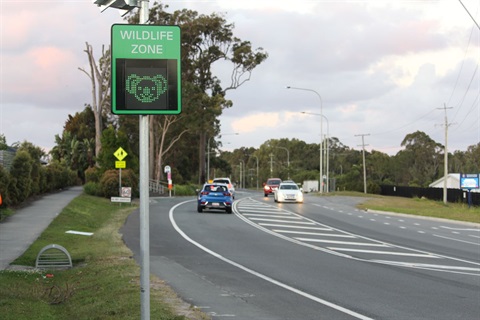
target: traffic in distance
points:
(220, 194)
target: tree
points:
(423, 158)
(37, 173)
(20, 182)
(3, 142)
(206, 40)
(76, 147)
(99, 75)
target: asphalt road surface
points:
(322, 259)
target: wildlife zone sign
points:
(146, 74)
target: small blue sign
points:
(469, 181)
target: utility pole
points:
(364, 168)
(445, 151)
(271, 165)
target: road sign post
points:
(120, 154)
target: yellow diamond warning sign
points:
(120, 154)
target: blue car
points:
(215, 196)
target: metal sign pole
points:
(144, 201)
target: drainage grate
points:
(53, 256)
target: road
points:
(319, 260)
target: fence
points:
(453, 195)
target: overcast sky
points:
(384, 68)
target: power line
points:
(406, 125)
(469, 14)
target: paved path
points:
(19, 231)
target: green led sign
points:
(146, 74)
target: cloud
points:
(256, 121)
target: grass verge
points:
(105, 280)
(416, 206)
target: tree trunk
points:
(100, 91)
(201, 160)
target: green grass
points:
(104, 283)
(417, 206)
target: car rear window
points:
(274, 182)
(215, 188)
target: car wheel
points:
(266, 195)
(199, 209)
(228, 210)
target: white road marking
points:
(453, 239)
(335, 235)
(366, 244)
(315, 233)
(461, 229)
(274, 220)
(294, 227)
(336, 251)
(260, 275)
(386, 252)
(272, 216)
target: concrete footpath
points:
(19, 231)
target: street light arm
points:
(311, 90)
(321, 134)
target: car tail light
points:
(227, 194)
(204, 193)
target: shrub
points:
(185, 190)
(92, 174)
(93, 189)
(110, 185)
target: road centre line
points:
(274, 220)
(315, 233)
(453, 239)
(279, 212)
(385, 252)
(333, 235)
(344, 242)
(272, 216)
(256, 209)
(260, 275)
(294, 227)
(460, 229)
(428, 266)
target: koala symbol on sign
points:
(146, 89)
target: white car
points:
(288, 192)
(229, 183)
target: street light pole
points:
(208, 152)
(143, 6)
(288, 161)
(257, 169)
(321, 135)
(327, 147)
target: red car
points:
(271, 185)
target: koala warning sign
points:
(146, 74)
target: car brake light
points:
(204, 193)
(227, 194)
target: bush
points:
(93, 189)
(109, 183)
(92, 174)
(185, 190)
